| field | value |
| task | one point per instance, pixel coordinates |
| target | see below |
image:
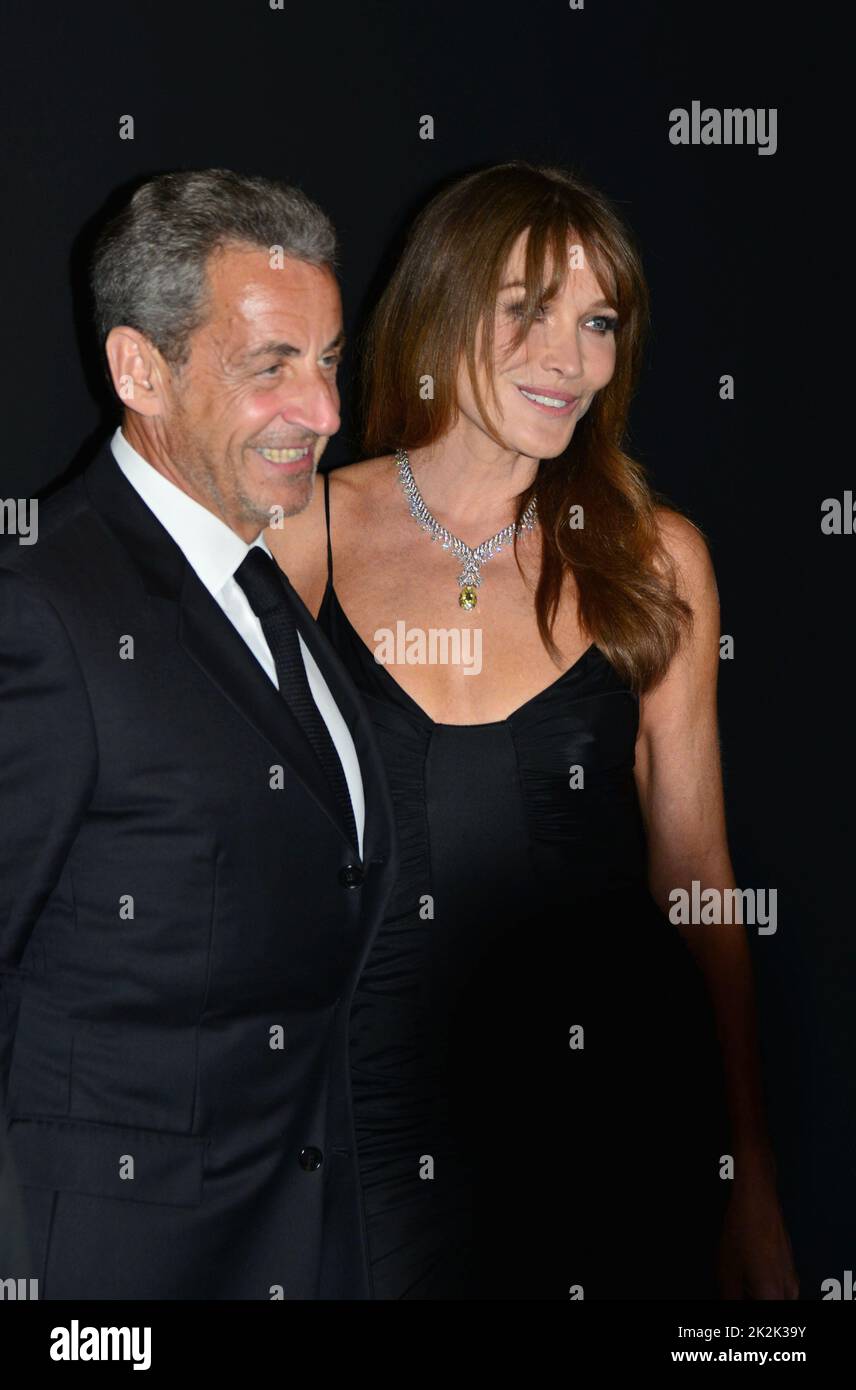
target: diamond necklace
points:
(470, 577)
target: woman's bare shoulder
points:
(361, 486)
(299, 542)
(687, 549)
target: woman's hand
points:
(755, 1255)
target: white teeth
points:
(283, 455)
(542, 400)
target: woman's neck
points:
(471, 485)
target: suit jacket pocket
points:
(100, 1160)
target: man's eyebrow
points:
(271, 349)
(278, 349)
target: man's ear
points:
(139, 373)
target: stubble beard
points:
(222, 489)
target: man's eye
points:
(267, 371)
(331, 360)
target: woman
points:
(534, 1045)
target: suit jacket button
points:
(310, 1158)
(351, 876)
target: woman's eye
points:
(608, 322)
(517, 309)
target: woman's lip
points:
(566, 409)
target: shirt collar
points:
(211, 547)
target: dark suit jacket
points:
(15, 1257)
(179, 937)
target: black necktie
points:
(268, 592)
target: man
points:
(14, 1251)
(197, 837)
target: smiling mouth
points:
(286, 455)
(556, 404)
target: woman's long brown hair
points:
(441, 298)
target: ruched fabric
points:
(497, 1160)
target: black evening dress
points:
(536, 1085)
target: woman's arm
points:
(679, 778)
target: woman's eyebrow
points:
(596, 304)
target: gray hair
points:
(148, 268)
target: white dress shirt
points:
(215, 551)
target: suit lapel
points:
(218, 650)
(205, 633)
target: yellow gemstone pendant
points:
(468, 598)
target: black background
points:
(744, 280)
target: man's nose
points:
(313, 404)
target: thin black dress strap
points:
(327, 520)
